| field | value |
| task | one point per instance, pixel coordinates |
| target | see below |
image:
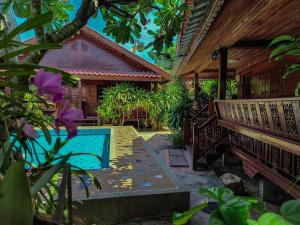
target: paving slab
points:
(137, 184)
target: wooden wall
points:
(87, 92)
(265, 80)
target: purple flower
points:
(67, 116)
(49, 83)
(28, 129)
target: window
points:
(84, 47)
(74, 46)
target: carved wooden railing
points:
(265, 134)
(205, 138)
(273, 121)
(277, 117)
(199, 117)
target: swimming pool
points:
(95, 141)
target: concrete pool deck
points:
(137, 183)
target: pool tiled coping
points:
(136, 176)
(134, 168)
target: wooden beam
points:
(196, 149)
(212, 74)
(197, 89)
(281, 181)
(251, 44)
(223, 53)
(279, 142)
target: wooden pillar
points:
(186, 131)
(222, 73)
(196, 149)
(196, 87)
(155, 86)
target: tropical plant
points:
(124, 99)
(124, 20)
(176, 138)
(230, 209)
(27, 186)
(118, 102)
(181, 108)
(166, 59)
(209, 89)
(286, 45)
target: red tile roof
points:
(93, 56)
(112, 75)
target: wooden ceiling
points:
(243, 20)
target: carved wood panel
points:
(279, 117)
(91, 99)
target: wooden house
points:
(225, 38)
(100, 63)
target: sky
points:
(98, 24)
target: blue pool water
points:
(95, 141)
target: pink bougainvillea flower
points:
(49, 83)
(28, 129)
(67, 116)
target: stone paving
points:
(160, 143)
(132, 168)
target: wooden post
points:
(196, 87)
(222, 73)
(196, 149)
(186, 131)
(155, 86)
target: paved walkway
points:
(160, 143)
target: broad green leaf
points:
(236, 210)
(31, 48)
(281, 38)
(271, 218)
(48, 175)
(297, 94)
(290, 210)
(15, 198)
(293, 68)
(183, 218)
(6, 6)
(29, 24)
(4, 153)
(282, 49)
(68, 78)
(217, 193)
(46, 133)
(294, 52)
(216, 219)
(251, 222)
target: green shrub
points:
(235, 210)
(181, 108)
(177, 138)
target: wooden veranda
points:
(261, 126)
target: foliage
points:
(286, 45)
(235, 210)
(182, 107)
(118, 102)
(231, 88)
(209, 89)
(177, 138)
(27, 189)
(124, 20)
(123, 99)
(166, 59)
